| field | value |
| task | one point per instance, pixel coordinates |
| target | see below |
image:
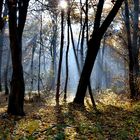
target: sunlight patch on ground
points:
(108, 97)
(45, 120)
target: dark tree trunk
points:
(86, 20)
(93, 48)
(74, 50)
(81, 24)
(32, 64)
(53, 52)
(79, 70)
(67, 53)
(6, 74)
(135, 37)
(5, 13)
(91, 97)
(135, 92)
(17, 88)
(1, 19)
(131, 62)
(90, 58)
(1, 5)
(1, 40)
(86, 72)
(61, 56)
(82, 45)
(39, 57)
(133, 49)
(1, 51)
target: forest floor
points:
(119, 120)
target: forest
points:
(69, 70)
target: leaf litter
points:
(119, 120)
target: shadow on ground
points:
(71, 122)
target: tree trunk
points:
(81, 24)
(39, 57)
(17, 88)
(82, 45)
(8, 57)
(93, 48)
(32, 65)
(53, 52)
(1, 19)
(61, 56)
(67, 53)
(86, 72)
(90, 58)
(135, 51)
(16, 26)
(132, 49)
(1, 51)
(131, 62)
(135, 37)
(1, 5)
(91, 97)
(1, 37)
(6, 74)
(79, 70)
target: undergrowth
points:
(118, 120)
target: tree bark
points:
(39, 56)
(6, 74)
(133, 49)
(53, 52)
(1, 41)
(17, 87)
(135, 37)
(1, 5)
(1, 19)
(61, 56)
(67, 53)
(32, 64)
(1, 51)
(93, 48)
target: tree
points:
(1, 39)
(61, 56)
(93, 47)
(32, 61)
(1, 19)
(17, 18)
(67, 52)
(53, 48)
(6, 74)
(1, 51)
(3, 16)
(132, 44)
(39, 56)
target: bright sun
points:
(63, 4)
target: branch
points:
(110, 16)
(98, 14)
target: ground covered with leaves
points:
(119, 119)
